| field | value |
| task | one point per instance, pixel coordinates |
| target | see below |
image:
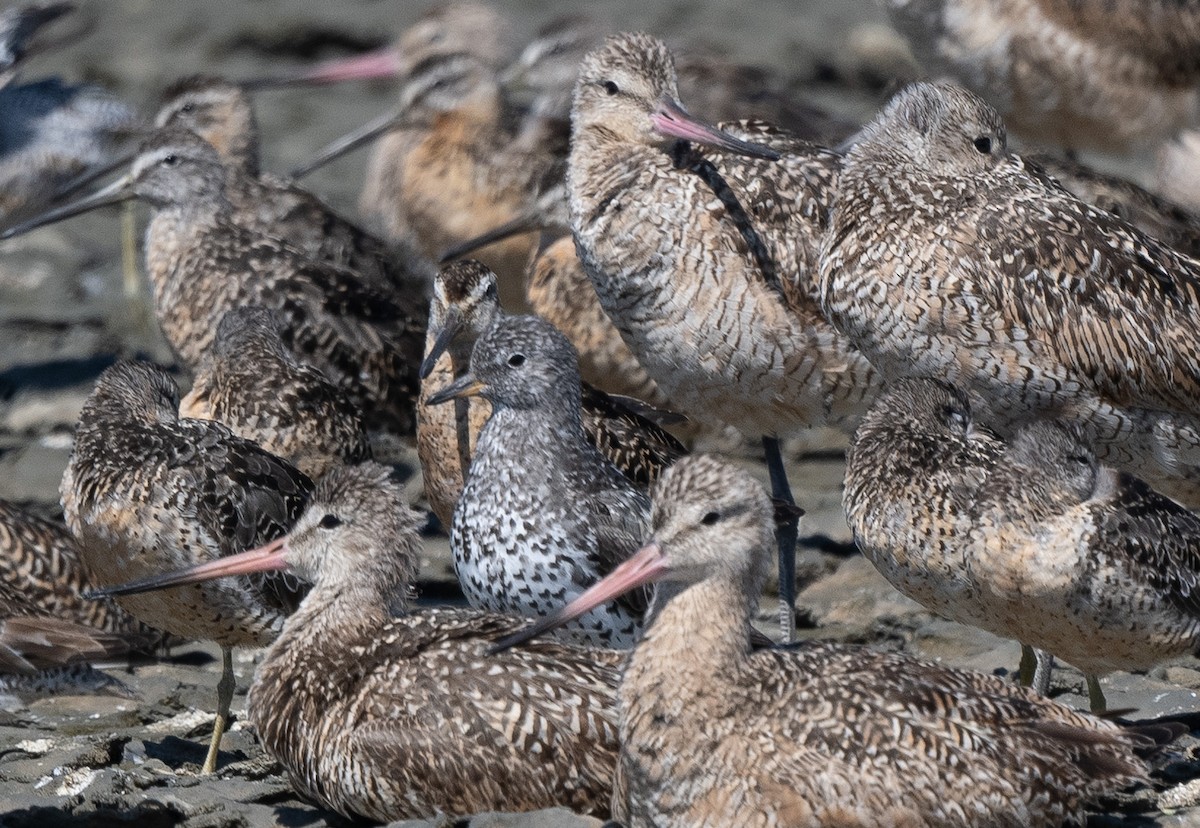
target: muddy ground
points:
(65, 314)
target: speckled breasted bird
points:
(543, 514)
(465, 306)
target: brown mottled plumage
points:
(715, 733)
(560, 292)
(1031, 539)
(978, 268)
(705, 261)
(145, 492)
(381, 712)
(465, 305)
(220, 112)
(1102, 74)
(251, 383)
(44, 619)
(1169, 222)
(202, 264)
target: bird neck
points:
(700, 629)
(347, 609)
(517, 431)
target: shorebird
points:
(145, 491)
(448, 166)
(715, 733)
(1031, 539)
(220, 112)
(465, 306)
(1084, 75)
(1167, 219)
(254, 385)
(543, 513)
(52, 131)
(202, 264)
(45, 623)
(382, 712)
(705, 260)
(977, 268)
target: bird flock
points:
(571, 260)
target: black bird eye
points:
(516, 360)
(330, 522)
(710, 518)
(955, 417)
(187, 107)
(491, 291)
(171, 160)
(611, 88)
(984, 144)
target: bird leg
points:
(1096, 698)
(224, 699)
(786, 534)
(1041, 673)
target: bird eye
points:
(170, 160)
(710, 518)
(516, 360)
(330, 522)
(490, 293)
(984, 144)
(955, 417)
(611, 88)
(187, 107)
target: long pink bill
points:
(673, 121)
(265, 558)
(648, 564)
(381, 63)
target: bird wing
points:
(1116, 307)
(1153, 536)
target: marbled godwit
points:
(379, 712)
(1169, 221)
(977, 268)
(254, 385)
(465, 306)
(220, 112)
(202, 264)
(1033, 540)
(45, 623)
(1091, 74)
(146, 491)
(702, 259)
(51, 131)
(41, 575)
(543, 513)
(713, 733)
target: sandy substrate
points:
(65, 315)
